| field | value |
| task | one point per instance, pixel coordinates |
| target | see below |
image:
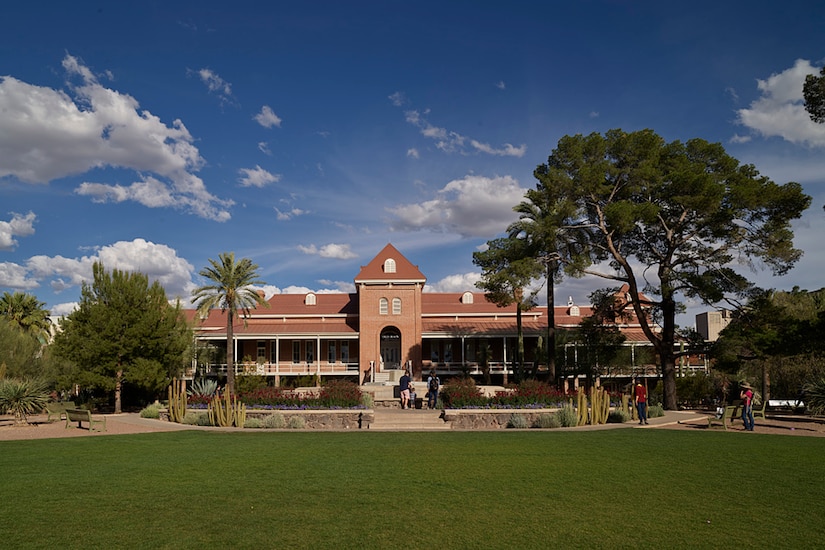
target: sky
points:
(152, 136)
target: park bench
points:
(731, 413)
(84, 415)
(57, 410)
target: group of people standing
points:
(408, 391)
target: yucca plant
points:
(22, 397)
(815, 396)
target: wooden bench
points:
(57, 410)
(731, 413)
(760, 412)
(84, 415)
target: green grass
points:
(604, 489)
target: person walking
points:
(640, 398)
(404, 386)
(746, 395)
(433, 383)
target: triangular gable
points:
(404, 270)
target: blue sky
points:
(153, 136)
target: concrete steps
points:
(418, 420)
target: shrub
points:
(461, 393)
(191, 418)
(253, 422)
(518, 421)
(203, 420)
(249, 382)
(567, 416)
(22, 397)
(274, 421)
(151, 411)
(547, 421)
(655, 411)
(617, 417)
(296, 423)
(529, 394)
(815, 396)
(339, 393)
(368, 400)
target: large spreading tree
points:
(814, 93)
(672, 220)
(232, 292)
(124, 331)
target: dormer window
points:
(467, 298)
(389, 265)
(574, 311)
(309, 300)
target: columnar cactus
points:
(177, 400)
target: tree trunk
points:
(230, 352)
(551, 326)
(520, 345)
(118, 389)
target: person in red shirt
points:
(746, 395)
(640, 398)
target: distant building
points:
(710, 323)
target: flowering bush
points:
(461, 393)
(529, 394)
(336, 394)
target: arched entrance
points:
(391, 348)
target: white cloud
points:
(257, 177)
(461, 282)
(267, 117)
(453, 142)
(736, 138)
(398, 99)
(157, 261)
(215, 84)
(332, 250)
(46, 134)
(263, 147)
(413, 153)
(474, 206)
(507, 151)
(15, 276)
(501, 85)
(289, 214)
(18, 226)
(780, 109)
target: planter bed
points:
(489, 419)
(314, 419)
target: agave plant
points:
(815, 396)
(205, 387)
(22, 398)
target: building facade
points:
(387, 325)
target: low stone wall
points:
(349, 419)
(489, 419)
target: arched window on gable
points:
(383, 306)
(389, 265)
(396, 306)
(309, 300)
(467, 298)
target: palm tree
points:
(27, 313)
(231, 291)
(543, 222)
(506, 270)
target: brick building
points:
(387, 325)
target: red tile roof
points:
(404, 270)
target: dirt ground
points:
(132, 423)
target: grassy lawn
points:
(524, 489)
